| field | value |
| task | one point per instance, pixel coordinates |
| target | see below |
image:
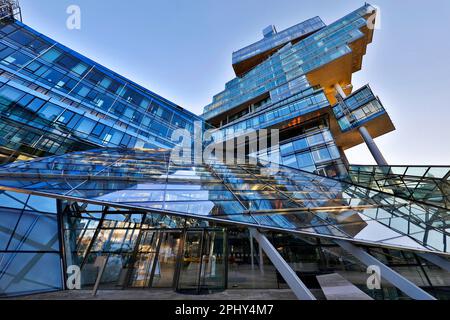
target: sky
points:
(181, 50)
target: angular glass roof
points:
(241, 194)
(430, 185)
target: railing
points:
(10, 9)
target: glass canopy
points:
(430, 185)
(290, 201)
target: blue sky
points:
(181, 49)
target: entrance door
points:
(155, 259)
(201, 267)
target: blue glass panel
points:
(29, 272)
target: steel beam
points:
(291, 278)
(387, 273)
(437, 260)
(373, 148)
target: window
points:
(73, 122)
(145, 103)
(129, 113)
(334, 152)
(125, 140)
(315, 139)
(327, 136)
(116, 137)
(304, 160)
(7, 29)
(18, 59)
(80, 68)
(22, 37)
(52, 76)
(290, 161)
(35, 104)
(50, 111)
(300, 144)
(321, 155)
(66, 116)
(95, 77)
(105, 83)
(85, 126)
(9, 95)
(67, 62)
(179, 122)
(33, 66)
(83, 91)
(146, 121)
(98, 130)
(25, 100)
(5, 53)
(51, 55)
(38, 45)
(286, 148)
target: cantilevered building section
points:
(100, 193)
(304, 88)
(249, 57)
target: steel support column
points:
(437, 260)
(387, 273)
(291, 278)
(376, 153)
(373, 148)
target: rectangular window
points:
(334, 152)
(304, 160)
(300, 144)
(18, 59)
(80, 68)
(105, 83)
(290, 161)
(116, 137)
(51, 55)
(315, 139)
(67, 62)
(10, 95)
(98, 130)
(50, 111)
(286, 148)
(66, 117)
(321, 155)
(83, 91)
(52, 76)
(85, 126)
(38, 45)
(22, 37)
(33, 66)
(35, 104)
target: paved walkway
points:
(164, 294)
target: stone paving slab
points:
(163, 294)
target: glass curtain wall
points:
(30, 259)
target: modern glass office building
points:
(89, 190)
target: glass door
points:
(155, 259)
(201, 267)
(189, 263)
(212, 275)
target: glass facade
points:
(29, 244)
(357, 109)
(68, 102)
(87, 180)
(292, 200)
(430, 185)
(286, 69)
